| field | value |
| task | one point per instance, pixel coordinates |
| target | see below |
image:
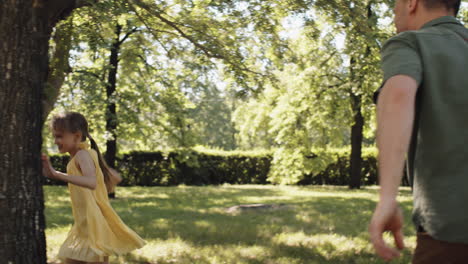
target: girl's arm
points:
(85, 164)
(115, 176)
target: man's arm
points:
(395, 117)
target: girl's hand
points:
(115, 176)
(47, 169)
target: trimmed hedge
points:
(188, 167)
(193, 168)
(199, 167)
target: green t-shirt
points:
(436, 56)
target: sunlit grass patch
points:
(186, 224)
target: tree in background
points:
(228, 74)
(323, 89)
(360, 24)
(165, 67)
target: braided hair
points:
(75, 122)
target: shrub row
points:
(188, 167)
(195, 167)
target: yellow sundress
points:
(98, 231)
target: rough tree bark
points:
(25, 28)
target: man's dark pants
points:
(432, 251)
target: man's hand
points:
(387, 217)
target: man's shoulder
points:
(403, 39)
(406, 35)
(414, 38)
(435, 32)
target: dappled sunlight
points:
(159, 224)
(55, 237)
(202, 224)
(130, 192)
(187, 224)
(58, 202)
(327, 244)
(252, 252)
(169, 250)
(309, 217)
(177, 251)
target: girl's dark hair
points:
(75, 122)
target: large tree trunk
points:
(23, 72)
(25, 27)
(111, 113)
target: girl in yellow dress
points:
(98, 232)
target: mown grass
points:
(190, 224)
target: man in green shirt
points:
(422, 112)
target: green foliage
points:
(309, 106)
(328, 167)
(171, 57)
(463, 13)
(337, 168)
(201, 166)
(243, 74)
(212, 118)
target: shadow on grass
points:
(196, 215)
(282, 254)
(173, 200)
(342, 217)
(329, 215)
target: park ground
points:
(185, 224)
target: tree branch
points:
(82, 3)
(128, 35)
(90, 73)
(179, 30)
(176, 27)
(334, 76)
(152, 31)
(58, 66)
(328, 59)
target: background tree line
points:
(294, 77)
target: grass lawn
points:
(190, 224)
